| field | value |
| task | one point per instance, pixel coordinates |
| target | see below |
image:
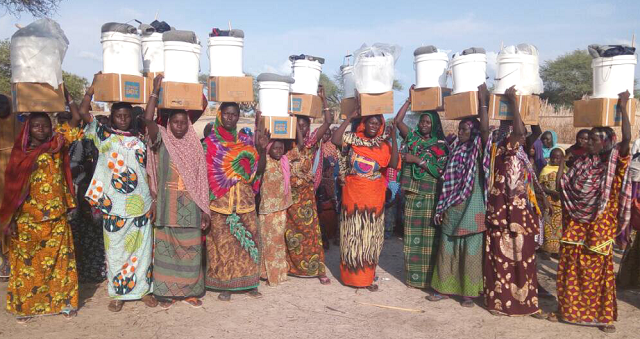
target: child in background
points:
(275, 198)
(553, 222)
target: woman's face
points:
(424, 125)
(372, 126)
(303, 125)
(464, 132)
(595, 144)
(40, 130)
(229, 118)
(121, 119)
(277, 150)
(326, 136)
(532, 152)
(556, 157)
(179, 124)
(583, 140)
(547, 140)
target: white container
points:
(181, 61)
(348, 82)
(469, 72)
(152, 53)
(431, 70)
(225, 56)
(307, 76)
(375, 74)
(520, 70)
(613, 75)
(273, 97)
(121, 53)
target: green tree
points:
(5, 67)
(567, 78)
(76, 85)
(37, 8)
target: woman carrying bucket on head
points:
(305, 253)
(363, 196)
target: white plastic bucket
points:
(348, 82)
(273, 97)
(520, 70)
(469, 72)
(375, 74)
(181, 61)
(431, 70)
(613, 75)
(153, 53)
(121, 53)
(225, 56)
(306, 73)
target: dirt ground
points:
(302, 308)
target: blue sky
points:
(276, 29)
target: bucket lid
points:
(306, 57)
(275, 77)
(474, 50)
(182, 36)
(234, 33)
(119, 28)
(425, 50)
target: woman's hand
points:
(262, 141)
(411, 89)
(152, 210)
(623, 98)
(510, 93)
(483, 95)
(157, 84)
(410, 158)
(205, 221)
(91, 89)
(323, 96)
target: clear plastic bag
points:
(37, 52)
(525, 74)
(373, 68)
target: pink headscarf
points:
(286, 170)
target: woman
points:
(326, 194)
(553, 222)
(460, 216)
(549, 142)
(423, 165)
(536, 157)
(596, 200)
(178, 180)
(629, 275)
(305, 252)
(512, 218)
(578, 149)
(235, 163)
(43, 278)
(363, 196)
(119, 189)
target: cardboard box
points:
(306, 104)
(280, 127)
(37, 97)
(231, 89)
(347, 106)
(374, 104)
(461, 105)
(528, 105)
(112, 87)
(601, 112)
(180, 95)
(428, 99)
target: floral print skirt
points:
(274, 248)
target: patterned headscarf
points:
(432, 149)
(459, 175)
(231, 158)
(586, 186)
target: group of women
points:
(181, 215)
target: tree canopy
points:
(567, 78)
(37, 8)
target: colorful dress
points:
(274, 202)
(304, 239)
(234, 249)
(420, 186)
(552, 223)
(119, 189)
(586, 280)
(362, 212)
(512, 221)
(43, 278)
(9, 128)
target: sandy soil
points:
(302, 308)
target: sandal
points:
(149, 301)
(224, 296)
(255, 294)
(495, 313)
(193, 302)
(166, 304)
(69, 313)
(372, 288)
(467, 302)
(115, 305)
(325, 280)
(23, 320)
(541, 315)
(608, 329)
(553, 317)
(437, 297)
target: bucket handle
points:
(605, 79)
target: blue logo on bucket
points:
(296, 104)
(132, 90)
(280, 128)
